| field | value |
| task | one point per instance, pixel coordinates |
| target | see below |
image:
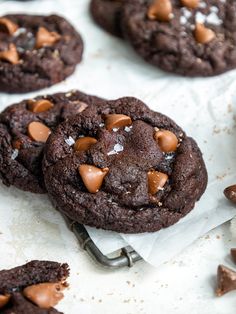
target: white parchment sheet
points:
(203, 107)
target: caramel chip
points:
(203, 35)
(10, 55)
(191, 4)
(160, 10)
(39, 105)
(45, 295)
(84, 143)
(166, 140)
(38, 131)
(226, 280)
(46, 38)
(117, 121)
(156, 181)
(230, 193)
(8, 25)
(92, 177)
(4, 299)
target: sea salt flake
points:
(112, 152)
(214, 19)
(70, 141)
(128, 128)
(202, 5)
(115, 129)
(200, 18)
(117, 149)
(19, 31)
(183, 20)
(214, 9)
(186, 13)
(169, 156)
(14, 154)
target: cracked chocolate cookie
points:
(33, 288)
(107, 14)
(187, 37)
(36, 52)
(128, 168)
(24, 129)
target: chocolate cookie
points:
(107, 14)
(33, 288)
(24, 129)
(36, 51)
(130, 170)
(187, 37)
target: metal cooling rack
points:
(125, 257)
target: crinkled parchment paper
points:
(203, 107)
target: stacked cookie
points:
(187, 37)
(114, 165)
(24, 129)
(110, 164)
(129, 170)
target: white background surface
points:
(31, 229)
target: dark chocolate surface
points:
(172, 45)
(123, 203)
(107, 14)
(22, 167)
(39, 68)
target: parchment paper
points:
(203, 107)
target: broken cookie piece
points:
(35, 287)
